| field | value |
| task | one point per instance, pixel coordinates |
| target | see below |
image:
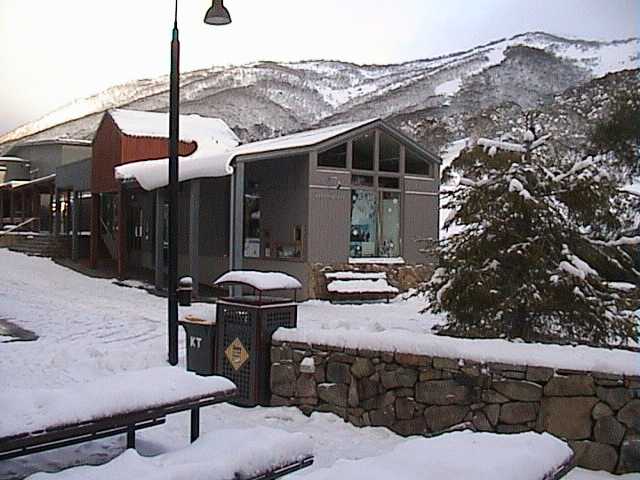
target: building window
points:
(335, 157)
(364, 223)
(390, 224)
(375, 224)
(252, 238)
(363, 152)
(416, 165)
(389, 154)
(389, 182)
(362, 180)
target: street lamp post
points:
(216, 15)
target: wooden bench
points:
(461, 455)
(109, 406)
(256, 453)
(353, 286)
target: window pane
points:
(363, 152)
(364, 223)
(362, 180)
(390, 223)
(389, 154)
(416, 165)
(335, 157)
(252, 221)
(388, 182)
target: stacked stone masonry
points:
(597, 413)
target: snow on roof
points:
(13, 159)
(37, 180)
(56, 140)
(13, 183)
(212, 136)
(307, 138)
(379, 285)
(260, 280)
(193, 128)
(211, 162)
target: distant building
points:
(27, 180)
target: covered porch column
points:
(35, 205)
(23, 205)
(194, 234)
(237, 216)
(95, 230)
(56, 212)
(122, 232)
(52, 192)
(1, 208)
(12, 206)
(75, 226)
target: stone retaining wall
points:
(597, 413)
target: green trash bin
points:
(201, 335)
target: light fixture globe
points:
(217, 14)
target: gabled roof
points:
(308, 138)
(153, 174)
(53, 141)
(14, 184)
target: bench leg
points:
(195, 424)
(131, 437)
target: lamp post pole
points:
(216, 15)
(174, 131)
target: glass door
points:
(364, 223)
(390, 224)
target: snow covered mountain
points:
(436, 100)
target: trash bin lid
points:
(262, 281)
(197, 320)
(257, 300)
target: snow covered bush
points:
(536, 248)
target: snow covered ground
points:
(90, 328)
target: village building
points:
(360, 193)
(29, 193)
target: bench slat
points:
(75, 439)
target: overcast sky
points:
(54, 51)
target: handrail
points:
(16, 227)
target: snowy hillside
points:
(261, 100)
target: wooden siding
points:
(420, 222)
(112, 148)
(106, 155)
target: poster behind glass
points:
(364, 223)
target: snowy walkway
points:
(90, 328)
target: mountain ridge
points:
(263, 99)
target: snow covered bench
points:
(359, 286)
(38, 420)
(259, 453)
(461, 455)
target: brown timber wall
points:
(112, 148)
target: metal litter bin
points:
(245, 324)
(201, 335)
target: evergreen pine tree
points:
(529, 228)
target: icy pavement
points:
(90, 328)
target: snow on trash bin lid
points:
(260, 280)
